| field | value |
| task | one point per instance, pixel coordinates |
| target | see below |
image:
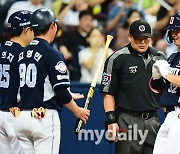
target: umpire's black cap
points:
(140, 28)
(18, 21)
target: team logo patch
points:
(133, 69)
(106, 78)
(142, 28)
(61, 67)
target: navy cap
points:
(41, 18)
(19, 21)
(174, 23)
(140, 28)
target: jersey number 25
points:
(4, 75)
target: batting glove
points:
(15, 111)
(39, 113)
(155, 72)
(163, 66)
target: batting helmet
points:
(41, 18)
(19, 21)
(174, 24)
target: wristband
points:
(111, 118)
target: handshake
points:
(160, 69)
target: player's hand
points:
(39, 113)
(75, 96)
(164, 67)
(15, 111)
(83, 114)
(155, 73)
(112, 132)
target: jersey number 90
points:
(28, 75)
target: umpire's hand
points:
(112, 132)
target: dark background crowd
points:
(78, 17)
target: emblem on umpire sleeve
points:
(106, 78)
(61, 67)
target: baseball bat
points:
(90, 93)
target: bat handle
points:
(79, 126)
(80, 123)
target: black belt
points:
(143, 114)
(171, 108)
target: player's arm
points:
(156, 82)
(79, 112)
(59, 80)
(64, 97)
(156, 85)
(174, 79)
(166, 71)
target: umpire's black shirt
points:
(126, 76)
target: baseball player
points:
(43, 89)
(166, 76)
(22, 35)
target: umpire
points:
(130, 105)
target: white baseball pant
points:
(8, 140)
(168, 137)
(38, 136)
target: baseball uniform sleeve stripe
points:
(62, 83)
(110, 64)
